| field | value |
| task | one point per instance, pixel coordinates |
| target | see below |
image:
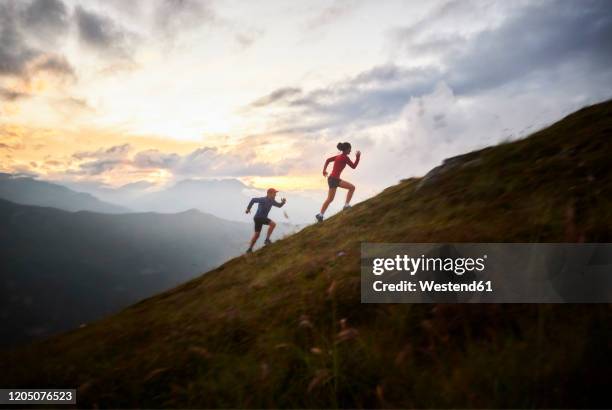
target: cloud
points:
(54, 163)
(102, 160)
(246, 38)
(447, 26)
(212, 162)
(202, 161)
(511, 41)
(46, 19)
(372, 95)
(331, 14)
(205, 161)
(98, 167)
(14, 52)
(172, 16)
(132, 8)
(114, 152)
(11, 95)
(76, 103)
(156, 159)
(540, 37)
(172, 19)
(102, 34)
(521, 45)
(55, 64)
(281, 94)
(19, 58)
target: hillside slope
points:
(285, 327)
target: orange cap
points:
(272, 191)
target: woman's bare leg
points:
(351, 190)
(330, 197)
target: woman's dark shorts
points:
(333, 182)
(259, 222)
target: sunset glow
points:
(162, 91)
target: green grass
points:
(284, 327)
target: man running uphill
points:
(334, 181)
(264, 204)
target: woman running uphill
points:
(334, 181)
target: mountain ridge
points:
(226, 198)
(29, 191)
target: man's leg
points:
(271, 227)
(253, 240)
(255, 234)
(351, 190)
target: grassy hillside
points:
(285, 327)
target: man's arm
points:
(279, 204)
(354, 164)
(253, 201)
(326, 164)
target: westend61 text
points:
(431, 286)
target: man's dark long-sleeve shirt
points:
(264, 204)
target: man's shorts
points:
(333, 182)
(259, 222)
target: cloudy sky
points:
(116, 91)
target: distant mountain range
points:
(61, 269)
(225, 198)
(29, 191)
